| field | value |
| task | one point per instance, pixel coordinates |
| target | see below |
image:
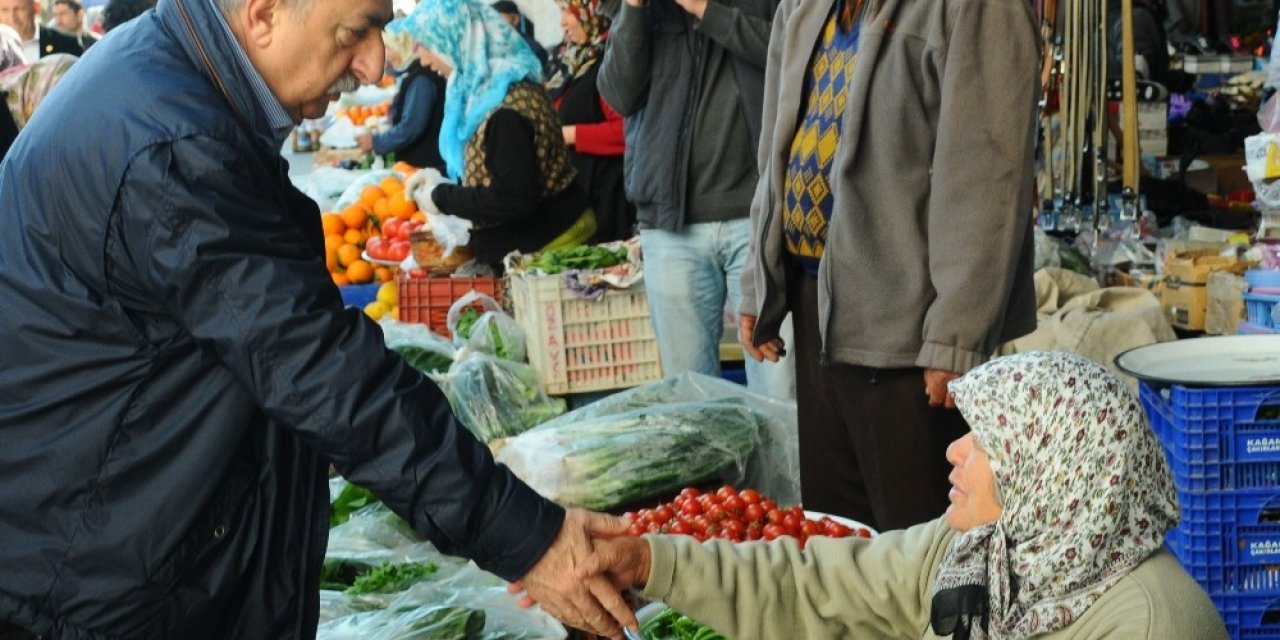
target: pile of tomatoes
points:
(393, 244)
(735, 515)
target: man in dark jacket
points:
(182, 372)
(688, 77)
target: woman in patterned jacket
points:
(500, 139)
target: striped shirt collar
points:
(277, 118)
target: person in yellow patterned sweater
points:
(500, 138)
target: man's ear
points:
(260, 19)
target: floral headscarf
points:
(487, 57)
(25, 87)
(576, 59)
(1084, 487)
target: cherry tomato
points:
(837, 530)
(718, 513)
(725, 492)
(680, 527)
(768, 505)
(631, 515)
(734, 504)
(750, 496)
(691, 508)
(754, 532)
(791, 523)
(864, 533)
(774, 516)
(663, 514)
(810, 528)
(689, 492)
(772, 531)
(753, 512)
(636, 529)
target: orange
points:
(400, 206)
(347, 254)
(370, 195)
(355, 216)
(391, 185)
(354, 236)
(360, 271)
(404, 168)
(331, 260)
(382, 274)
(418, 216)
(340, 279)
(332, 223)
(333, 241)
(380, 209)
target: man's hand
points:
(935, 386)
(569, 581)
(625, 560)
(364, 141)
(771, 350)
(695, 7)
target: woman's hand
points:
(365, 142)
(570, 133)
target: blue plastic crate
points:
(1260, 309)
(1239, 558)
(1249, 616)
(1217, 438)
(358, 295)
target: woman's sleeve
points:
(834, 588)
(419, 100)
(602, 138)
(515, 181)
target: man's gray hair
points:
(228, 7)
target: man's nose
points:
(369, 61)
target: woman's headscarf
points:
(11, 54)
(576, 59)
(487, 57)
(1084, 487)
(25, 87)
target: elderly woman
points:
(592, 129)
(1059, 509)
(500, 135)
(22, 88)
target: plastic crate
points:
(427, 299)
(1230, 542)
(358, 295)
(580, 345)
(1252, 617)
(1259, 310)
(1216, 439)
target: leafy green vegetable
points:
(392, 578)
(339, 575)
(673, 625)
(466, 321)
(353, 497)
(581, 257)
(424, 360)
(613, 460)
(496, 398)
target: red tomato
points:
(773, 531)
(774, 516)
(754, 532)
(810, 528)
(680, 527)
(750, 496)
(734, 505)
(717, 514)
(733, 525)
(691, 508)
(768, 505)
(725, 492)
(791, 523)
(689, 492)
(391, 227)
(700, 524)
(631, 515)
(837, 530)
(636, 529)
(753, 513)
(376, 247)
(663, 514)
(864, 533)
(398, 251)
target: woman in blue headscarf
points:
(500, 138)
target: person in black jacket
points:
(38, 40)
(500, 137)
(182, 373)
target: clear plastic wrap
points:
(612, 460)
(496, 398)
(773, 468)
(424, 350)
(492, 331)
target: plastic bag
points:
(422, 349)
(352, 193)
(614, 460)
(326, 185)
(773, 468)
(496, 398)
(492, 331)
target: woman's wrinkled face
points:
(973, 486)
(572, 27)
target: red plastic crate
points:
(427, 299)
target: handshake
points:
(580, 577)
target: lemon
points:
(377, 309)
(387, 294)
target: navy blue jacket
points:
(179, 371)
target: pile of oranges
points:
(347, 231)
(358, 114)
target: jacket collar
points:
(201, 31)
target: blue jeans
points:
(687, 277)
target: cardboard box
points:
(1126, 274)
(1186, 276)
(1225, 306)
(1229, 173)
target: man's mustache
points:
(345, 83)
